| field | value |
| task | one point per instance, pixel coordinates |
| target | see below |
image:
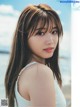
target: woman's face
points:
(43, 44)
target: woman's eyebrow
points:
(40, 28)
(46, 28)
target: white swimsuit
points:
(60, 100)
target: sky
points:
(11, 9)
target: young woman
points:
(33, 77)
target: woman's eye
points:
(40, 33)
(55, 32)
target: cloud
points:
(8, 9)
(8, 21)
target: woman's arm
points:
(41, 88)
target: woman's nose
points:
(49, 39)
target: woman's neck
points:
(37, 59)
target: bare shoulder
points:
(41, 88)
(37, 85)
(44, 70)
(36, 70)
(42, 73)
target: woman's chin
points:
(48, 56)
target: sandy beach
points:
(67, 93)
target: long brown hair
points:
(20, 54)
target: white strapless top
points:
(60, 99)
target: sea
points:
(64, 63)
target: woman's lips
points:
(49, 50)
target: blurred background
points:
(9, 14)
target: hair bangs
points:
(42, 21)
